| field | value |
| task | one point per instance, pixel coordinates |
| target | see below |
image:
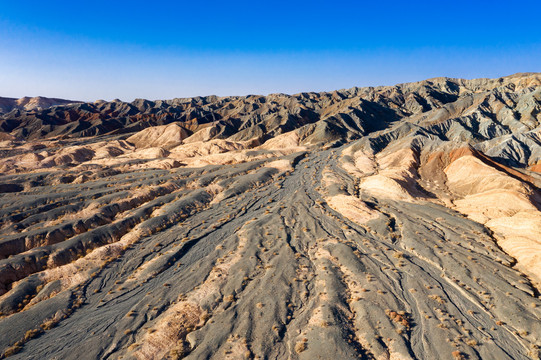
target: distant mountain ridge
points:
(30, 103)
(244, 117)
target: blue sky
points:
(88, 50)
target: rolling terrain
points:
(396, 222)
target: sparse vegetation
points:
(300, 346)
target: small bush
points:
(12, 350)
(300, 347)
(30, 334)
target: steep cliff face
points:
(397, 222)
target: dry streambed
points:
(263, 259)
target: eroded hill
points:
(394, 222)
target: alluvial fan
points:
(398, 222)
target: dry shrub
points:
(300, 347)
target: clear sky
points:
(89, 50)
